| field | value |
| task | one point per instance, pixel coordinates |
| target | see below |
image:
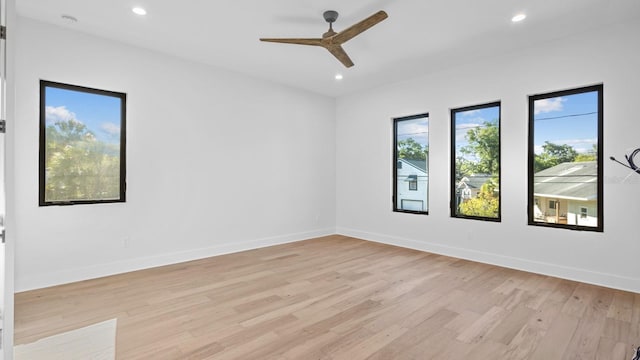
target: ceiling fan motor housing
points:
(330, 16)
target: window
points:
(82, 145)
(475, 162)
(583, 213)
(552, 209)
(413, 182)
(565, 159)
(411, 159)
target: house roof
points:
(570, 180)
(418, 164)
(476, 181)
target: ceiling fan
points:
(332, 40)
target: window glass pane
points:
(475, 141)
(583, 212)
(565, 159)
(81, 145)
(411, 174)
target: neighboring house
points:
(567, 194)
(469, 186)
(412, 184)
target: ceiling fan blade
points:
(358, 28)
(340, 54)
(313, 42)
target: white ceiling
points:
(420, 36)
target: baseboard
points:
(564, 272)
(118, 267)
(101, 270)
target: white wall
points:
(364, 141)
(216, 162)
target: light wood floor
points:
(340, 298)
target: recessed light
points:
(139, 11)
(338, 76)
(518, 17)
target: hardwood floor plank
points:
(481, 327)
(621, 307)
(610, 349)
(462, 321)
(511, 325)
(412, 337)
(586, 338)
(441, 346)
(557, 338)
(371, 344)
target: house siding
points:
(407, 199)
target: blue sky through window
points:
(417, 129)
(567, 120)
(100, 113)
(473, 119)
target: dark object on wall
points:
(632, 163)
(636, 354)
(332, 40)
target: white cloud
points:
(538, 149)
(581, 145)
(548, 105)
(468, 126)
(56, 114)
(578, 141)
(463, 129)
(418, 130)
(110, 128)
(469, 112)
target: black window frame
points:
(44, 84)
(453, 186)
(397, 203)
(599, 89)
